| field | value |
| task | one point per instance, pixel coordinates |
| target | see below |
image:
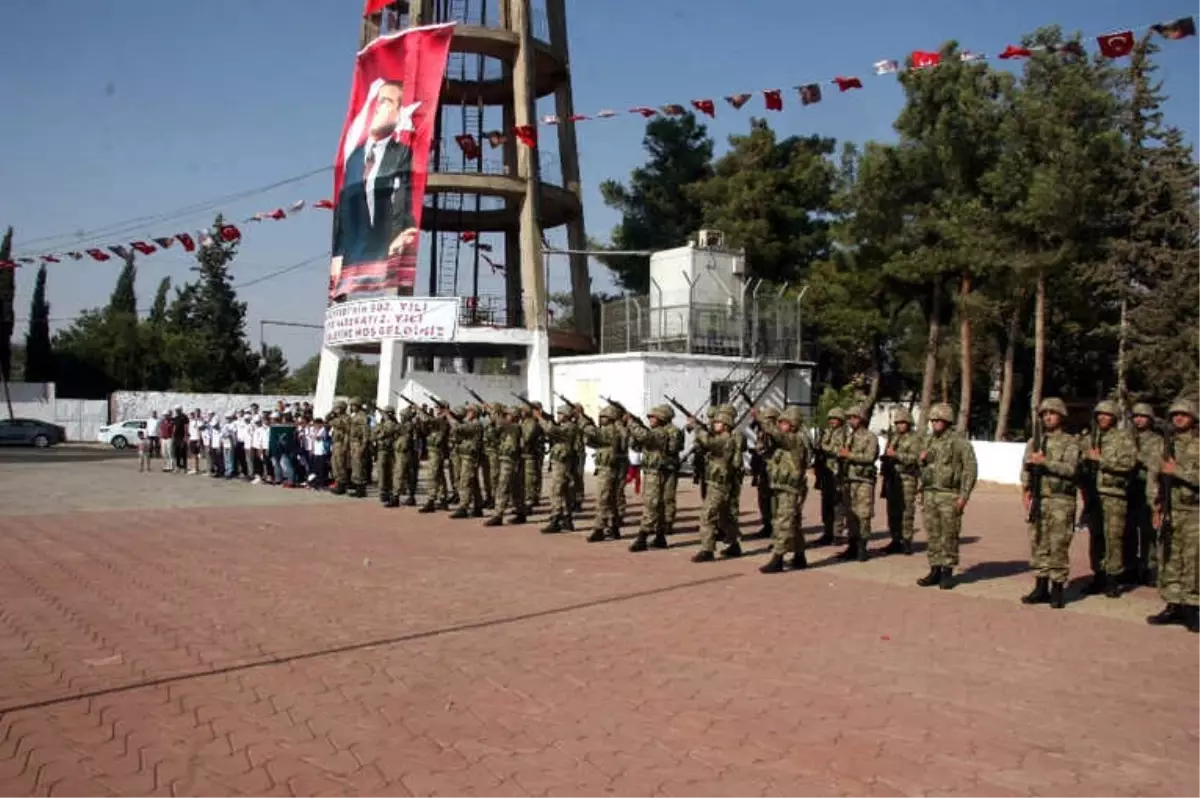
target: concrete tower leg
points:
(392, 373)
(327, 376)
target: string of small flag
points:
(1114, 45)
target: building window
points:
(721, 393)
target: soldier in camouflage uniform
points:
(605, 439)
(1179, 574)
(467, 445)
(904, 452)
(384, 438)
(948, 475)
(720, 448)
(533, 453)
(1113, 460)
(490, 461)
(407, 454)
(561, 437)
(340, 450)
(788, 448)
(509, 487)
(580, 460)
(621, 466)
(654, 441)
(856, 462)
(436, 429)
(671, 466)
(764, 440)
(1141, 547)
(360, 439)
(1050, 534)
(833, 509)
(738, 471)
(453, 472)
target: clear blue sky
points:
(133, 108)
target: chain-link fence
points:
(763, 327)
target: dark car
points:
(30, 432)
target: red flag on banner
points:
(673, 110)
(644, 110)
(1014, 51)
(143, 247)
(1116, 45)
(384, 155)
(163, 243)
(189, 244)
(705, 107)
(846, 84)
(99, 255)
(923, 58)
(50, 259)
(738, 100)
(325, 205)
(1179, 29)
(773, 99)
(375, 6)
(578, 118)
(229, 233)
(468, 236)
(468, 145)
(277, 214)
(526, 134)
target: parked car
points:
(123, 433)
(30, 432)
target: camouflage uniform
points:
(786, 471)
(654, 442)
(561, 437)
(1108, 500)
(671, 468)
(901, 484)
(509, 487)
(621, 471)
(948, 475)
(720, 448)
(360, 439)
(737, 475)
(1178, 576)
(606, 439)
(858, 483)
(436, 428)
(1050, 535)
(467, 442)
(580, 464)
(404, 479)
(340, 450)
(765, 424)
(833, 509)
(1141, 550)
(384, 437)
(490, 461)
(533, 454)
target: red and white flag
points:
(922, 59)
(1116, 45)
(773, 98)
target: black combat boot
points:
(1113, 588)
(1097, 586)
(1172, 613)
(861, 552)
(1056, 595)
(799, 561)
(518, 518)
(932, 578)
(428, 507)
(766, 532)
(338, 489)
(946, 580)
(597, 536)
(1040, 593)
(1192, 619)
(394, 501)
(826, 538)
(385, 497)
(461, 512)
(894, 547)
(552, 527)
(360, 491)
(772, 566)
(849, 553)
(906, 548)
(732, 550)
(568, 524)
(615, 532)
(495, 520)
(703, 556)
(660, 541)
(640, 543)
(411, 501)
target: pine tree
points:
(39, 358)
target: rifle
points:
(698, 458)
(476, 397)
(1034, 516)
(686, 413)
(623, 410)
(1165, 483)
(887, 466)
(442, 404)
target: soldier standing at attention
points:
(490, 462)
(620, 467)
(436, 428)
(948, 474)
(671, 467)
(404, 481)
(786, 467)
(654, 441)
(561, 437)
(737, 474)
(453, 471)
(1057, 466)
(719, 449)
(539, 458)
(467, 443)
(833, 509)
(384, 437)
(533, 451)
(580, 459)
(856, 459)
(1179, 576)
(604, 438)
(1114, 457)
(905, 454)
(360, 439)
(508, 449)
(341, 448)
(1141, 546)
(764, 440)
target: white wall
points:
(585, 379)
(138, 404)
(81, 418)
(452, 388)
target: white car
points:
(123, 433)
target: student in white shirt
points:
(194, 438)
(229, 441)
(258, 448)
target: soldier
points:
(621, 468)
(561, 437)
(720, 448)
(384, 437)
(509, 488)
(1141, 549)
(833, 510)
(436, 428)
(1056, 466)
(948, 474)
(580, 460)
(605, 439)
(1179, 511)
(671, 465)
(404, 479)
(856, 470)
(340, 461)
(737, 472)
(453, 471)
(786, 466)
(533, 453)
(467, 443)
(360, 437)
(904, 453)
(654, 441)
(490, 462)
(764, 422)
(1112, 454)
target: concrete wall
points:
(138, 404)
(452, 388)
(81, 418)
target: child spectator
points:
(144, 447)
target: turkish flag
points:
(705, 107)
(922, 59)
(189, 244)
(846, 84)
(229, 233)
(526, 134)
(99, 254)
(143, 247)
(1116, 45)
(1013, 51)
(773, 99)
(375, 6)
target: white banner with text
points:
(362, 321)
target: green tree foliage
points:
(656, 211)
(39, 358)
(355, 378)
(273, 369)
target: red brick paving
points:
(343, 648)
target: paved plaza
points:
(176, 635)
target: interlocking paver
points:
(235, 639)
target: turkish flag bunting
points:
(50, 259)
(163, 243)
(99, 254)
(1014, 51)
(578, 118)
(326, 205)
(468, 237)
(773, 99)
(705, 107)
(526, 134)
(143, 247)
(469, 146)
(375, 6)
(229, 233)
(1116, 45)
(737, 100)
(673, 110)
(277, 214)
(1071, 48)
(8, 264)
(846, 84)
(644, 110)
(73, 255)
(189, 244)
(809, 94)
(922, 59)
